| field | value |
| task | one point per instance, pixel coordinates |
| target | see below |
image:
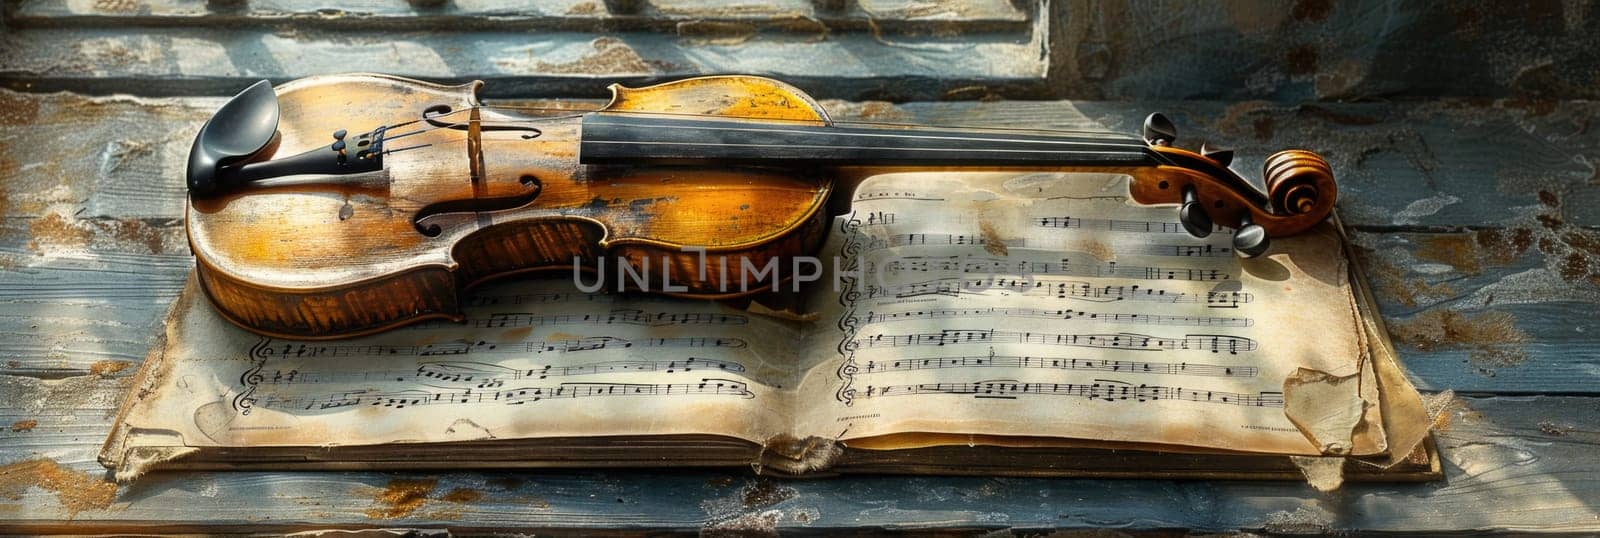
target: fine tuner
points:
(347, 204)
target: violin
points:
(342, 205)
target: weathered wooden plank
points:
(663, 15)
(78, 295)
(1512, 463)
(1305, 50)
(218, 61)
(1128, 50)
(1494, 310)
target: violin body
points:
(345, 258)
(343, 205)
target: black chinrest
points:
(229, 150)
(240, 130)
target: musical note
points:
(594, 343)
(1130, 341)
(1077, 290)
(879, 218)
(1104, 317)
(514, 396)
(1056, 363)
(919, 239)
(894, 195)
(901, 240)
(991, 266)
(1118, 225)
(619, 316)
(1105, 390)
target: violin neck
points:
(611, 138)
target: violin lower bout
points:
(547, 245)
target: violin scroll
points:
(1293, 177)
(1300, 190)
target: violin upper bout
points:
(315, 107)
(737, 96)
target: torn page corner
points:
(785, 454)
(138, 460)
(1328, 409)
(1324, 474)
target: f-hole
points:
(530, 184)
(432, 115)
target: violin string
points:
(398, 150)
(388, 137)
(817, 146)
(892, 134)
(581, 112)
(449, 125)
(798, 121)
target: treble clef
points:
(847, 373)
(250, 379)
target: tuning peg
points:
(1159, 131)
(1222, 156)
(1193, 215)
(1250, 240)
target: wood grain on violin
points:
(340, 205)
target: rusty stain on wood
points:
(108, 367)
(610, 56)
(400, 498)
(586, 8)
(1458, 251)
(462, 495)
(55, 230)
(18, 108)
(1555, 430)
(1570, 252)
(701, 32)
(1504, 245)
(1491, 338)
(24, 425)
(76, 491)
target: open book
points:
(993, 323)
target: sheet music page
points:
(1048, 304)
(535, 359)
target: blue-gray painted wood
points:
(776, 16)
(1283, 50)
(991, 48)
